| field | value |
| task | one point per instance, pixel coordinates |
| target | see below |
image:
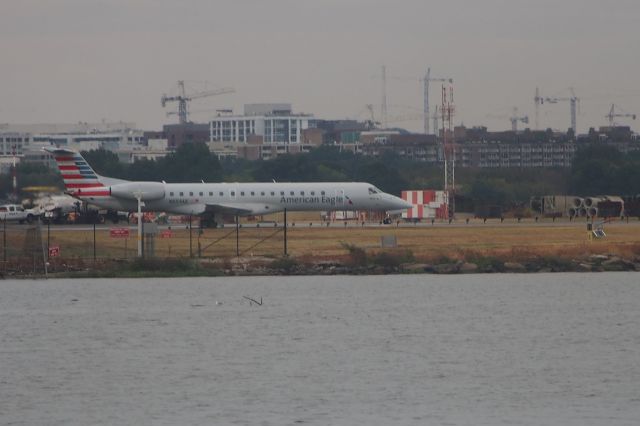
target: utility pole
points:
(14, 173)
(138, 196)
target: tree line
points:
(597, 169)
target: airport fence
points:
(29, 246)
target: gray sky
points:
(88, 60)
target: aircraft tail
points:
(78, 176)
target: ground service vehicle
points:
(15, 212)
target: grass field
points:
(510, 240)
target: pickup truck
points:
(15, 212)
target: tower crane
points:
(538, 100)
(612, 114)
(371, 123)
(573, 101)
(426, 80)
(514, 118)
(182, 98)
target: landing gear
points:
(208, 220)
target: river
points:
(511, 349)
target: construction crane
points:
(371, 123)
(612, 114)
(514, 118)
(426, 80)
(182, 98)
(573, 101)
(538, 100)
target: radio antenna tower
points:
(426, 80)
(383, 105)
(448, 147)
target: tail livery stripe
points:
(77, 174)
(83, 185)
(82, 193)
(78, 177)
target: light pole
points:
(138, 196)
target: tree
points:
(105, 163)
(191, 162)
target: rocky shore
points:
(593, 263)
(353, 264)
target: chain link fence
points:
(28, 248)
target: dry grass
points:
(518, 242)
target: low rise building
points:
(264, 131)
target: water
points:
(541, 349)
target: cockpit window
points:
(373, 190)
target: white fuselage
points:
(247, 198)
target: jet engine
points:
(146, 191)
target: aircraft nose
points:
(405, 204)
(400, 204)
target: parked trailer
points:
(610, 206)
(632, 205)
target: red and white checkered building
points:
(427, 204)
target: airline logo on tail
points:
(79, 178)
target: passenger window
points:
(171, 193)
(181, 193)
(262, 193)
(190, 194)
(273, 193)
(210, 194)
(313, 192)
(233, 193)
(321, 192)
(253, 193)
(281, 192)
(301, 192)
(242, 193)
(221, 193)
(201, 194)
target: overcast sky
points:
(88, 60)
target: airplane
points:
(213, 200)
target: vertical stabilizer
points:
(79, 177)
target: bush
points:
(357, 254)
(489, 264)
(392, 261)
(284, 264)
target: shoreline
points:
(349, 250)
(353, 264)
